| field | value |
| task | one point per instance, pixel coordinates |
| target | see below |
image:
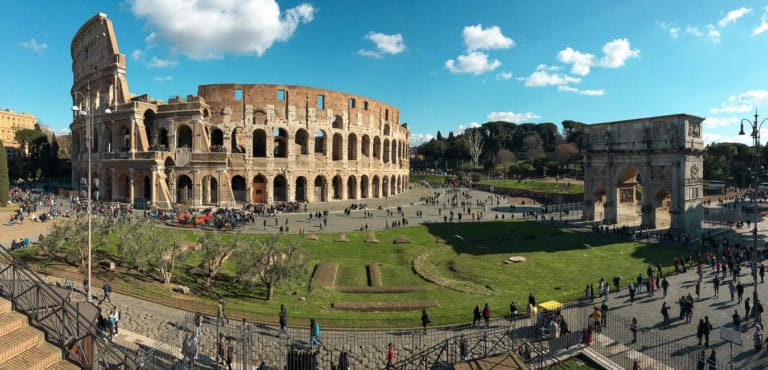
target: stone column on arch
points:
(131, 185)
(114, 184)
(197, 190)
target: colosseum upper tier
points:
(229, 145)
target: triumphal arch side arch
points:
(645, 172)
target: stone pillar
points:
(154, 186)
(131, 186)
(197, 191)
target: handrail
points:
(63, 322)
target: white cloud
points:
(588, 92)
(733, 15)
(460, 130)
(210, 29)
(504, 75)
(615, 55)
(385, 44)
(512, 116)
(715, 122)
(33, 45)
(543, 77)
(474, 62)
(162, 78)
(763, 24)
(694, 31)
(710, 138)
(137, 54)
(673, 30)
(743, 102)
(478, 38)
(418, 139)
(581, 61)
(156, 62)
(151, 40)
(713, 34)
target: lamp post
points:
(756, 138)
(87, 112)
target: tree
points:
(505, 158)
(216, 249)
(533, 146)
(475, 143)
(165, 252)
(564, 152)
(269, 262)
(68, 237)
(4, 181)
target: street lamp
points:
(756, 137)
(87, 112)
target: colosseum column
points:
(113, 177)
(131, 187)
(154, 186)
(197, 190)
(132, 148)
(290, 183)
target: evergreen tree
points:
(4, 183)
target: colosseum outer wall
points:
(232, 144)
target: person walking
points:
(700, 330)
(664, 286)
(391, 357)
(531, 300)
(636, 365)
(476, 315)
(107, 289)
(665, 313)
(632, 293)
(707, 330)
(424, 320)
(739, 291)
(221, 315)
(747, 308)
(114, 319)
(701, 361)
(221, 352)
(634, 327)
(731, 289)
(283, 320)
(230, 353)
(314, 333)
(716, 286)
(712, 361)
(736, 320)
(758, 337)
(604, 315)
(487, 315)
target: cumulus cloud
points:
(715, 122)
(32, 44)
(674, 31)
(163, 78)
(137, 54)
(156, 62)
(743, 102)
(210, 29)
(588, 92)
(693, 31)
(479, 38)
(615, 55)
(504, 75)
(710, 138)
(734, 15)
(713, 34)
(463, 127)
(512, 116)
(385, 44)
(763, 24)
(710, 32)
(418, 139)
(545, 76)
(473, 62)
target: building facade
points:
(10, 122)
(229, 145)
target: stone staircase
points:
(24, 347)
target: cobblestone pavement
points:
(155, 321)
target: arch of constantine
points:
(645, 172)
(231, 144)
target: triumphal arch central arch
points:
(645, 172)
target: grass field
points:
(557, 266)
(562, 187)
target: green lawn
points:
(557, 267)
(561, 187)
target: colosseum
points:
(229, 145)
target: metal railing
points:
(71, 326)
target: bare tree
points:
(505, 157)
(475, 144)
(215, 251)
(165, 252)
(565, 152)
(533, 147)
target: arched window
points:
(184, 137)
(366, 147)
(320, 141)
(259, 143)
(302, 142)
(281, 143)
(352, 147)
(338, 145)
(376, 147)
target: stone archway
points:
(645, 172)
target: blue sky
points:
(445, 64)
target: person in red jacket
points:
(391, 357)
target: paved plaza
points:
(143, 320)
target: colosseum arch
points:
(321, 139)
(352, 147)
(259, 143)
(321, 188)
(301, 189)
(259, 189)
(259, 118)
(280, 189)
(364, 186)
(239, 190)
(301, 142)
(183, 189)
(338, 122)
(107, 142)
(392, 184)
(150, 127)
(123, 192)
(210, 190)
(376, 148)
(281, 143)
(352, 187)
(394, 151)
(338, 187)
(385, 186)
(184, 137)
(376, 186)
(366, 146)
(338, 147)
(237, 141)
(386, 130)
(386, 151)
(217, 139)
(645, 172)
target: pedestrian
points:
(716, 286)
(758, 337)
(221, 315)
(712, 361)
(221, 353)
(757, 312)
(424, 320)
(476, 315)
(747, 308)
(707, 330)
(512, 310)
(487, 315)
(531, 300)
(596, 319)
(762, 273)
(701, 361)
(314, 333)
(107, 289)
(85, 288)
(731, 289)
(634, 327)
(114, 319)
(198, 324)
(636, 366)
(698, 289)
(664, 286)
(604, 313)
(736, 320)
(739, 291)
(665, 313)
(230, 354)
(283, 320)
(463, 348)
(632, 293)
(700, 330)
(391, 357)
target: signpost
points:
(731, 336)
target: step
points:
(18, 341)
(11, 321)
(39, 357)
(5, 305)
(63, 365)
